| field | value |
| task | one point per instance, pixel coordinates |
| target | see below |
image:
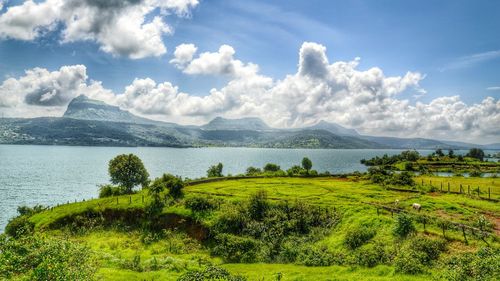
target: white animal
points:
(396, 202)
(416, 206)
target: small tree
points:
(173, 184)
(404, 226)
(270, 167)
(252, 171)
(306, 164)
(215, 171)
(128, 171)
(439, 152)
(476, 153)
(451, 153)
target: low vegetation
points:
(271, 225)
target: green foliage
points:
(386, 160)
(402, 179)
(19, 226)
(210, 273)
(482, 265)
(417, 254)
(296, 171)
(173, 184)
(270, 167)
(234, 248)
(371, 254)
(306, 164)
(128, 171)
(315, 256)
(404, 226)
(29, 211)
(253, 171)
(475, 173)
(258, 205)
(36, 258)
(215, 171)
(199, 204)
(476, 153)
(358, 235)
(108, 190)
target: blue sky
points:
(440, 61)
(431, 37)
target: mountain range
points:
(92, 122)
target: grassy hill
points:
(112, 229)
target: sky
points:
(393, 68)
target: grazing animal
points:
(396, 203)
(416, 206)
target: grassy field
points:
(124, 255)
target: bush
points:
(258, 205)
(482, 265)
(210, 273)
(358, 235)
(19, 226)
(315, 256)
(29, 211)
(475, 174)
(234, 248)
(403, 179)
(370, 255)
(252, 171)
(108, 190)
(173, 184)
(199, 204)
(36, 258)
(404, 226)
(296, 171)
(270, 167)
(408, 262)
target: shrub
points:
(258, 205)
(19, 226)
(403, 179)
(36, 258)
(234, 248)
(173, 184)
(29, 211)
(404, 226)
(107, 190)
(370, 255)
(315, 256)
(408, 262)
(270, 167)
(357, 236)
(199, 204)
(210, 273)
(295, 171)
(417, 254)
(475, 174)
(482, 265)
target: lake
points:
(50, 175)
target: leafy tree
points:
(451, 153)
(295, 170)
(410, 155)
(307, 164)
(476, 153)
(172, 183)
(128, 171)
(439, 152)
(215, 171)
(252, 171)
(270, 167)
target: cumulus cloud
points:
(120, 27)
(340, 92)
(221, 62)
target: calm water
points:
(49, 175)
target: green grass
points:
(115, 249)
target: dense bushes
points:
(200, 204)
(19, 226)
(417, 254)
(386, 177)
(36, 258)
(358, 235)
(210, 273)
(269, 229)
(107, 190)
(483, 265)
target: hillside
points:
(111, 227)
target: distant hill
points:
(91, 122)
(249, 123)
(84, 108)
(334, 128)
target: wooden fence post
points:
(468, 189)
(422, 182)
(441, 186)
(448, 187)
(130, 200)
(489, 193)
(460, 188)
(478, 192)
(465, 237)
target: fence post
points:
(478, 192)
(460, 188)
(116, 200)
(489, 193)
(468, 189)
(441, 186)
(448, 187)
(465, 237)
(430, 182)
(130, 200)
(377, 212)
(422, 182)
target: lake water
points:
(50, 175)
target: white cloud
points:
(120, 27)
(471, 60)
(495, 88)
(367, 100)
(221, 62)
(183, 54)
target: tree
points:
(173, 184)
(476, 153)
(270, 167)
(215, 171)
(252, 171)
(306, 164)
(439, 152)
(128, 171)
(451, 153)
